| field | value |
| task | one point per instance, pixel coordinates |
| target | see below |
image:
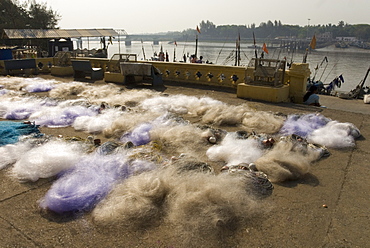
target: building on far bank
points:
(350, 39)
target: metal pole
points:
(119, 44)
(308, 26)
(174, 54)
(196, 45)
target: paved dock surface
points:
(329, 207)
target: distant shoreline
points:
(332, 48)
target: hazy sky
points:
(152, 16)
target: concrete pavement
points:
(329, 207)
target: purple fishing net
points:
(19, 114)
(303, 125)
(139, 136)
(64, 117)
(21, 110)
(40, 87)
(83, 186)
(3, 91)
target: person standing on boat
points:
(200, 60)
(161, 56)
(193, 59)
(311, 97)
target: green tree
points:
(33, 15)
(42, 17)
(207, 27)
(36, 15)
(362, 31)
(12, 15)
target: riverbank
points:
(328, 207)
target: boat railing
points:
(208, 74)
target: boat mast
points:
(324, 68)
(142, 47)
(236, 56)
(239, 57)
(196, 41)
(255, 46)
(196, 45)
(358, 91)
(174, 52)
(363, 82)
(237, 53)
(319, 66)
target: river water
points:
(352, 63)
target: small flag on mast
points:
(264, 48)
(198, 29)
(313, 42)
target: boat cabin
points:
(268, 72)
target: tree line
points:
(274, 29)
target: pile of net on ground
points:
(169, 157)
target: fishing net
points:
(83, 186)
(10, 131)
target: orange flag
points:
(198, 29)
(313, 42)
(264, 48)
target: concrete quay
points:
(328, 208)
